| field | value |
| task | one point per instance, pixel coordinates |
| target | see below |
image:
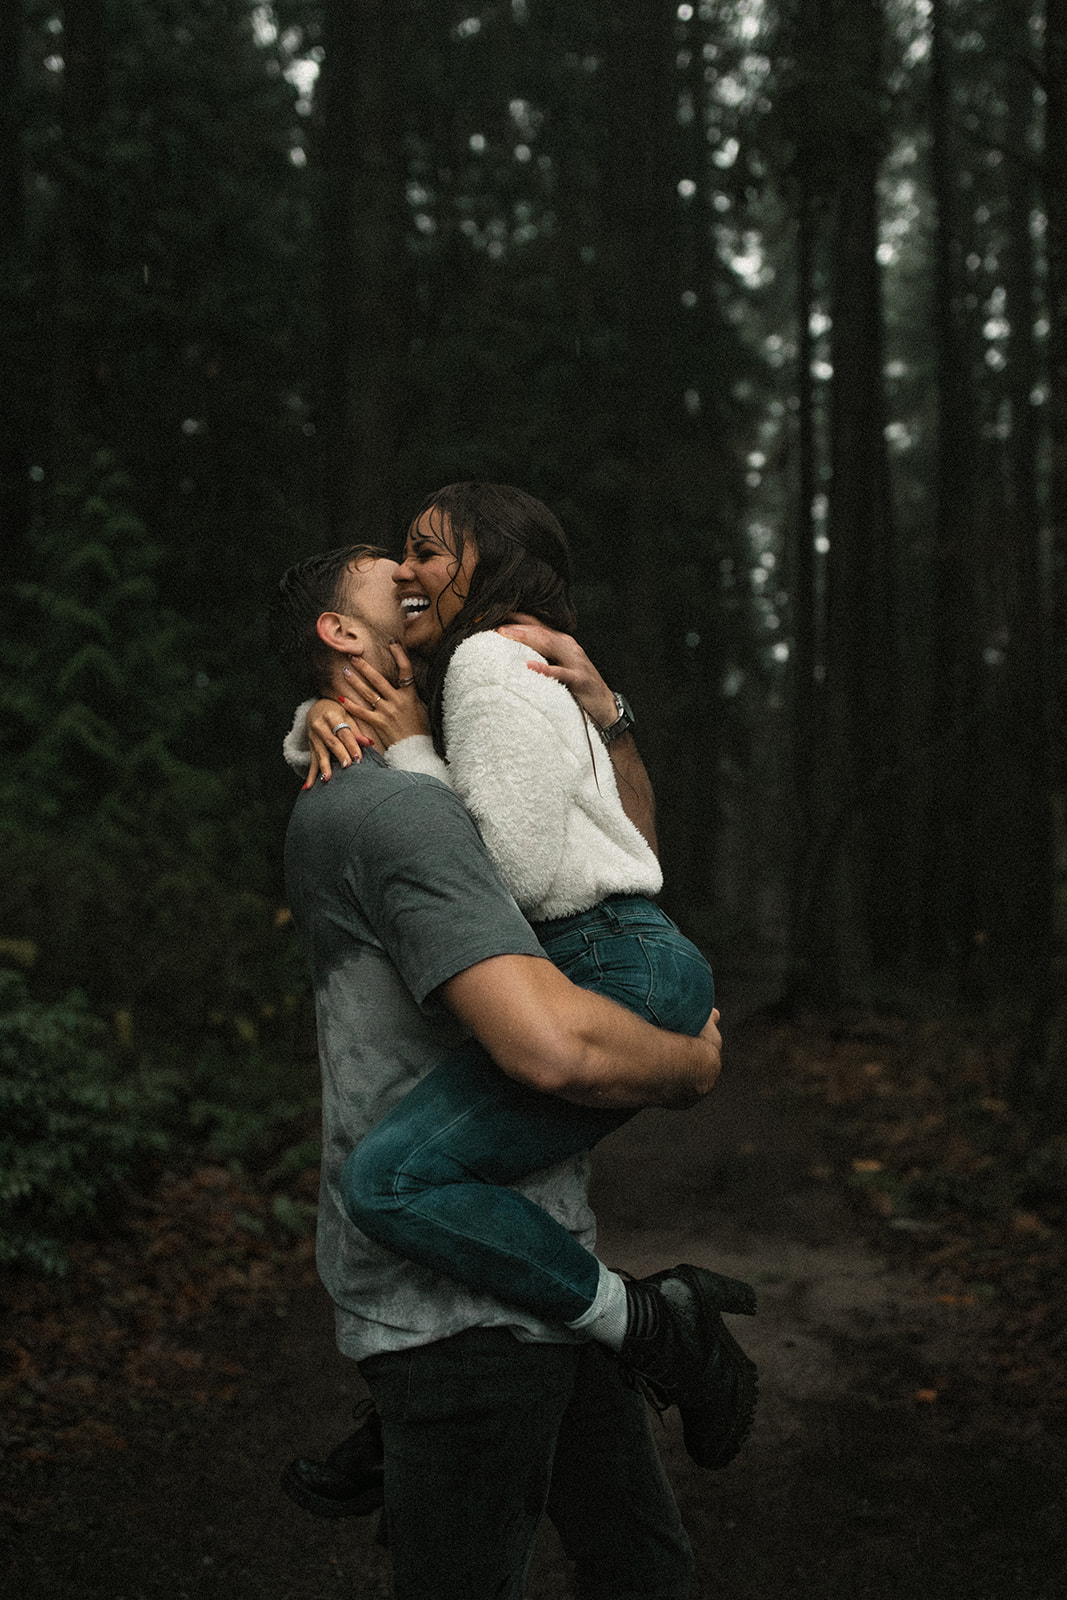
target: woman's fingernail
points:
(345, 673)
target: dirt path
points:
(856, 1482)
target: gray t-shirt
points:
(393, 893)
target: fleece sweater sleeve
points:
(295, 747)
(417, 754)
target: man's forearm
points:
(580, 1046)
(635, 788)
(622, 1072)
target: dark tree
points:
(953, 678)
(14, 302)
(78, 368)
(1054, 197)
(365, 349)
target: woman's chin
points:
(420, 638)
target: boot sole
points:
(715, 1295)
(361, 1504)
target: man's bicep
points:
(514, 1005)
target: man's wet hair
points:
(304, 592)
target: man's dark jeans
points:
(483, 1433)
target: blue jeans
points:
(483, 1433)
(429, 1180)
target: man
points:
(488, 1415)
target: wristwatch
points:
(622, 724)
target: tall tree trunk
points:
(809, 933)
(953, 920)
(14, 442)
(708, 527)
(1040, 665)
(862, 665)
(80, 239)
(638, 195)
(638, 190)
(363, 226)
(1021, 773)
(1055, 202)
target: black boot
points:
(678, 1347)
(349, 1482)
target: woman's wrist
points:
(620, 722)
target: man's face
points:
(372, 600)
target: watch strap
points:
(622, 724)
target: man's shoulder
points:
(355, 793)
(374, 815)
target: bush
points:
(73, 1124)
(249, 1108)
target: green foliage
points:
(74, 1123)
(137, 875)
(242, 1105)
(79, 1119)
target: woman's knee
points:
(369, 1187)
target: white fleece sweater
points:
(534, 773)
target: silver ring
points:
(341, 725)
(404, 682)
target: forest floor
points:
(911, 1439)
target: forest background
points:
(767, 300)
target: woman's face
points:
(432, 581)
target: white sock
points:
(605, 1320)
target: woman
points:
(428, 1181)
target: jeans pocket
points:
(652, 969)
(682, 990)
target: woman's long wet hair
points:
(524, 564)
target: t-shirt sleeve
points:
(425, 883)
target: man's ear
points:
(339, 632)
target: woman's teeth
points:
(412, 604)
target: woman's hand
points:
(567, 663)
(390, 712)
(332, 736)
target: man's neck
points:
(340, 688)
